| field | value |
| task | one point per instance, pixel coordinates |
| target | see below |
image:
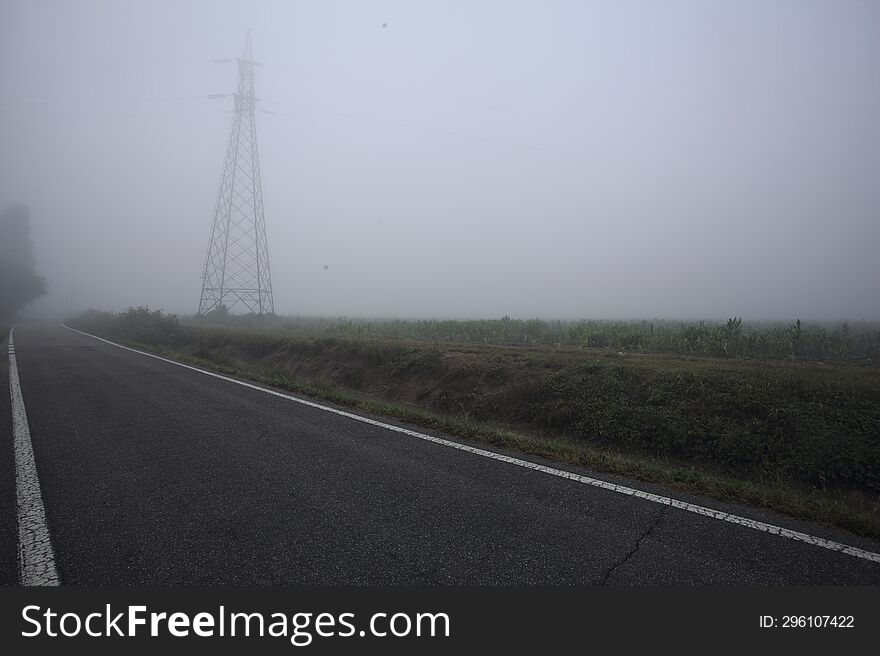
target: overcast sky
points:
(471, 159)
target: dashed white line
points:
(552, 471)
(36, 559)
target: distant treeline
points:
(858, 342)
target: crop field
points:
(781, 415)
(840, 342)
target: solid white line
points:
(587, 480)
(36, 560)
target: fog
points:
(456, 159)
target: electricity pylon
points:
(236, 270)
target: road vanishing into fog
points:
(150, 472)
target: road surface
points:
(154, 473)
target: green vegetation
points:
(139, 325)
(785, 432)
(843, 342)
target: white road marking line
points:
(587, 480)
(36, 560)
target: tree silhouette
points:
(19, 282)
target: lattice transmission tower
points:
(236, 273)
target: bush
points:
(139, 324)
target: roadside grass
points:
(802, 438)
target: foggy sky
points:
(472, 159)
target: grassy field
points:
(772, 425)
(858, 342)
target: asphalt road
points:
(152, 473)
